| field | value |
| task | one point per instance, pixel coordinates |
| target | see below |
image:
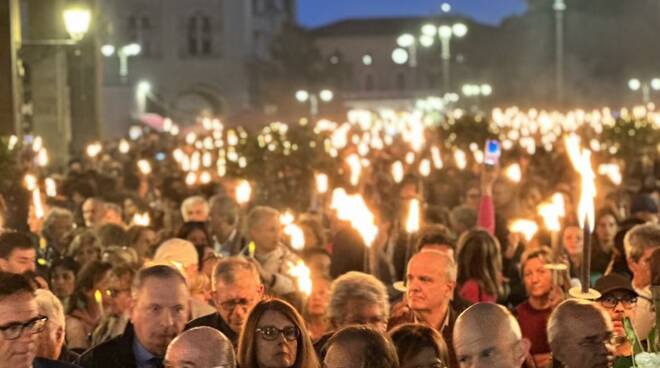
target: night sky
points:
(319, 12)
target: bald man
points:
(580, 335)
(200, 347)
(488, 335)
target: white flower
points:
(647, 360)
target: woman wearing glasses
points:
(274, 337)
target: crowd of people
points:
(206, 281)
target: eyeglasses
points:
(271, 333)
(611, 302)
(231, 304)
(14, 330)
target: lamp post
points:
(646, 87)
(124, 52)
(559, 6)
(477, 90)
(324, 95)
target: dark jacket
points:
(214, 320)
(114, 353)
(47, 363)
(69, 356)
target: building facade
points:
(195, 54)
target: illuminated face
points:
(573, 240)
(19, 261)
(18, 308)
(160, 312)
(266, 233)
(197, 212)
(606, 229)
(428, 287)
(62, 282)
(234, 301)
(537, 278)
(280, 352)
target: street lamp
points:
(124, 52)
(445, 33)
(76, 22)
(324, 95)
(560, 7)
(477, 90)
(646, 87)
(142, 91)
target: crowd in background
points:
(116, 291)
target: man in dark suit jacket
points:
(159, 313)
(237, 288)
(47, 363)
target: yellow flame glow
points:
(355, 165)
(142, 219)
(321, 183)
(527, 228)
(612, 171)
(397, 171)
(302, 275)
(412, 220)
(513, 172)
(353, 209)
(243, 192)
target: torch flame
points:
(302, 275)
(30, 182)
(297, 236)
(412, 221)
(460, 159)
(581, 160)
(243, 192)
(142, 219)
(612, 171)
(527, 228)
(353, 209)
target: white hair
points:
(191, 201)
(356, 286)
(50, 306)
(639, 239)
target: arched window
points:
(199, 35)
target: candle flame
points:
(353, 209)
(30, 182)
(513, 172)
(527, 228)
(141, 219)
(144, 166)
(355, 165)
(321, 183)
(412, 221)
(51, 187)
(124, 146)
(191, 179)
(94, 149)
(205, 177)
(243, 192)
(42, 158)
(38, 206)
(98, 296)
(425, 167)
(397, 171)
(460, 159)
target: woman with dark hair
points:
(419, 345)
(274, 336)
(479, 267)
(87, 304)
(198, 234)
(602, 247)
(144, 240)
(62, 278)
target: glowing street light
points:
(325, 95)
(400, 56)
(646, 87)
(76, 22)
(123, 52)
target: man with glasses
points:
(237, 288)
(487, 335)
(619, 299)
(581, 335)
(200, 347)
(19, 322)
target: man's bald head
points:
(488, 335)
(200, 347)
(579, 334)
